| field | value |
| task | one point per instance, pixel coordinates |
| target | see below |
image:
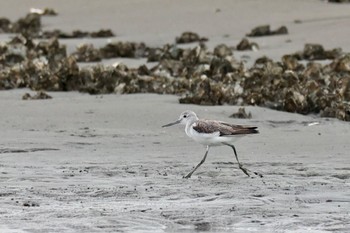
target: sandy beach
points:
(102, 163)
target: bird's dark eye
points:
(185, 116)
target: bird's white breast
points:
(211, 139)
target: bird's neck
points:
(188, 126)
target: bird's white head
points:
(185, 117)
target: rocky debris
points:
(155, 54)
(189, 37)
(40, 95)
(199, 75)
(87, 53)
(26, 96)
(290, 62)
(241, 114)
(103, 33)
(5, 25)
(39, 66)
(172, 51)
(45, 11)
(265, 30)
(287, 86)
(30, 26)
(317, 52)
(222, 51)
(123, 49)
(244, 44)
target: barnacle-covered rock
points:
(40, 76)
(172, 52)
(343, 87)
(341, 64)
(313, 52)
(63, 35)
(26, 96)
(15, 51)
(30, 25)
(154, 54)
(173, 67)
(294, 101)
(45, 11)
(7, 80)
(143, 70)
(67, 71)
(100, 80)
(265, 30)
(290, 79)
(337, 110)
(51, 49)
(49, 11)
(262, 60)
(189, 37)
(63, 76)
(219, 67)
(222, 51)
(313, 71)
(209, 93)
(201, 76)
(5, 25)
(343, 112)
(12, 54)
(87, 53)
(103, 33)
(40, 95)
(123, 49)
(241, 114)
(291, 63)
(244, 44)
(280, 31)
(317, 52)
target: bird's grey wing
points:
(239, 129)
(208, 126)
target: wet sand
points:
(83, 163)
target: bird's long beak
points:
(170, 124)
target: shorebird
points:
(213, 133)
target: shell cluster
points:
(297, 83)
(189, 37)
(264, 30)
(40, 95)
(30, 26)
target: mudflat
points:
(102, 163)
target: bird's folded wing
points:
(225, 129)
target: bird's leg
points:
(200, 163)
(245, 170)
(239, 164)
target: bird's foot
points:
(187, 176)
(245, 170)
(259, 174)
